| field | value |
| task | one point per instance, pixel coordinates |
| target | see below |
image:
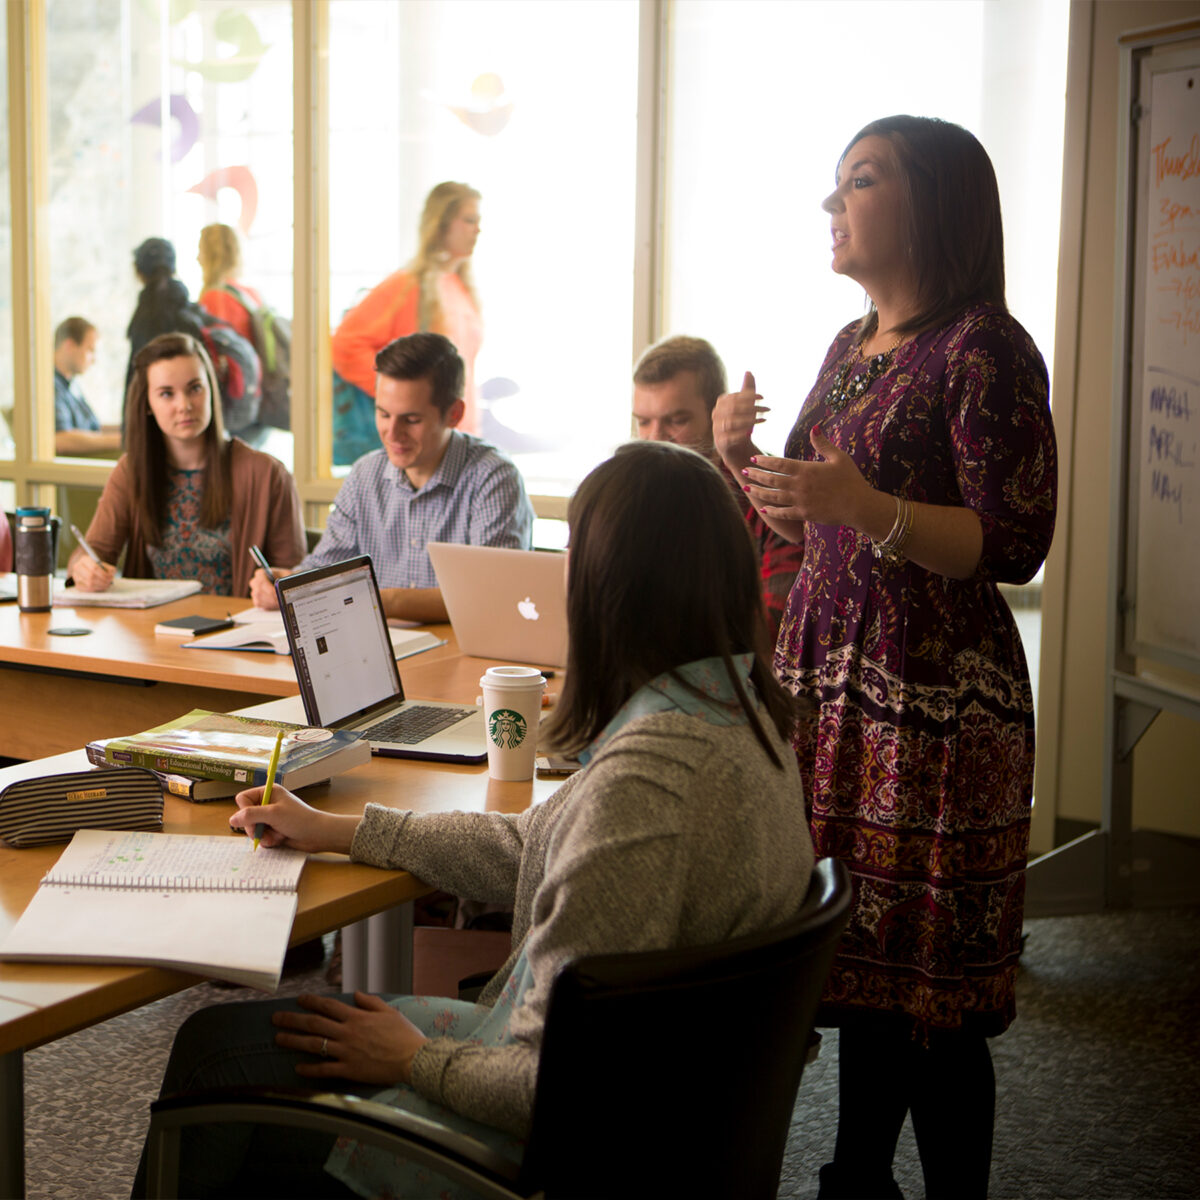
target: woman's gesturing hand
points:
(830, 492)
(368, 1041)
(734, 418)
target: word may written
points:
(1164, 489)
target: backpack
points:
(272, 338)
(239, 376)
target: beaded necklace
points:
(843, 391)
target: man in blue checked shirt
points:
(429, 483)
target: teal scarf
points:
(700, 689)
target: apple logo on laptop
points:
(528, 609)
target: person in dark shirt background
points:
(77, 429)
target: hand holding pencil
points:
(283, 819)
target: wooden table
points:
(41, 1002)
(59, 693)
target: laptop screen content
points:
(342, 652)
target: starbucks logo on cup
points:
(507, 729)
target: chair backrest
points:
(675, 1072)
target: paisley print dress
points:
(918, 760)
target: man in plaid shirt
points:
(428, 483)
(676, 383)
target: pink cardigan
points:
(265, 513)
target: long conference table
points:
(57, 693)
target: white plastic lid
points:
(512, 677)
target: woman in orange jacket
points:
(434, 292)
(220, 259)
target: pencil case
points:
(50, 808)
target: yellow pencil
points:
(266, 797)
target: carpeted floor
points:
(1097, 1080)
(1098, 1086)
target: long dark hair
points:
(662, 572)
(952, 214)
(147, 449)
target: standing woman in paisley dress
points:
(920, 473)
(184, 501)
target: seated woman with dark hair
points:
(686, 826)
(183, 501)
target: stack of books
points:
(210, 756)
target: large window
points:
(535, 106)
(747, 244)
(163, 118)
(749, 166)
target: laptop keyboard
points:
(413, 725)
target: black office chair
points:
(668, 1073)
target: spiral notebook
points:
(210, 905)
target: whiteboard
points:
(1164, 382)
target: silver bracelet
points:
(893, 546)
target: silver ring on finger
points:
(324, 1051)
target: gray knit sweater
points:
(677, 833)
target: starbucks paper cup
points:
(512, 708)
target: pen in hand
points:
(83, 545)
(261, 559)
(109, 572)
(266, 796)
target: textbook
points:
(198, 791)
(210, 905)
(187, 786)
(210, 745)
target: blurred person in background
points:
(433, 293)
(676, 384)
(224, 295)
(77, 429)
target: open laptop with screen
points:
(347, 671)
(507, 604)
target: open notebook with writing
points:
(210, 905)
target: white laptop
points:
(509, 604)
(347, 672)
